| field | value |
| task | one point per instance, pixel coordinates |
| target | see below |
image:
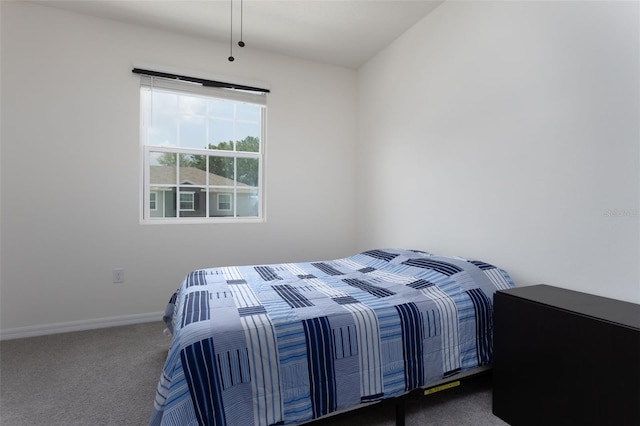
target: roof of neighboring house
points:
(166, 175)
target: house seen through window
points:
(202, 152)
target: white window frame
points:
(151, 83)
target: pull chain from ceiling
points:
(241, 42)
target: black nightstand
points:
(563, 357)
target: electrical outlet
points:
(118, 275)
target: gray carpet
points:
(109, 377)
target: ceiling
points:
(340, 32)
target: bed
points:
(290, 343)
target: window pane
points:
(221, 109)
(247, 202)
(193, 133)
(163, 131)
(221, 203)
(244, 129)
(220, 134)
(193, 181)
(192, 202)
(163, 127)
(221, 171)
(162, 169)
(192, 105)
(165, 202)
(249, 144)
(248, 112)
(193, 170)
(165, 103)
(248, 171)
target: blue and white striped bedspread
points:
(288, 343)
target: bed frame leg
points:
(400, 412)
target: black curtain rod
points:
(204, 82)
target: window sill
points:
(202, 221)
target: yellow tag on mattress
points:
(442, 387)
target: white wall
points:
(509, 132)
(70, 168)
(504, 131)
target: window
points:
(153, 201)
(224, 202)
(186, 201)
(202, 152)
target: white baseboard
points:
(64, 327)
